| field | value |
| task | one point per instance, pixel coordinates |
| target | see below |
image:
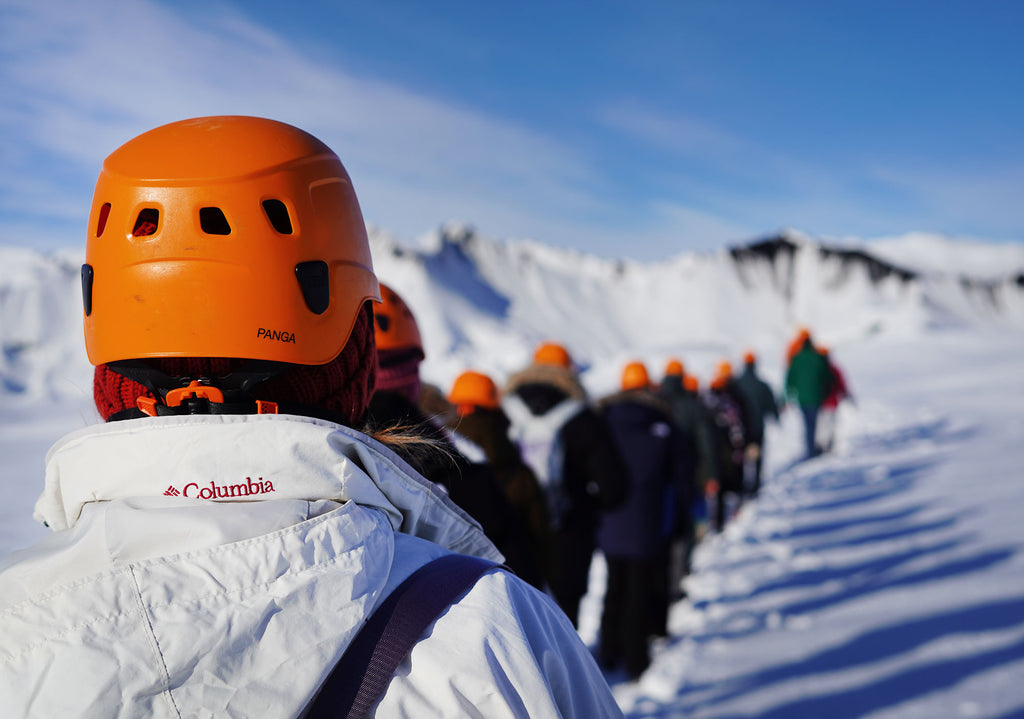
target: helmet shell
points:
(634, 376)
(395, 324)
(224, 236)
(552, 353)
(474, 389)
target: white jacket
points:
(218, 566)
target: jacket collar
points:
(246, 458)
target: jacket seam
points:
(154, 643)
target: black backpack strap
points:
(362, 674)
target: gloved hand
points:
(753, 451)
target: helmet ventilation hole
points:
(146, 223)
(277, 213)
(101, 222)
(213, 222)
(315, 280)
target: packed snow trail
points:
(886, 580)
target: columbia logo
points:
(171, 492)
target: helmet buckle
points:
(195, 391)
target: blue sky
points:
(626, 128)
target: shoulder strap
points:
(362, 674)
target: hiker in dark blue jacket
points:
(760, 406)
(634, 537)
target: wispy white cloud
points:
(957, 194)
(92, 75)
(704, 145)
(753, 184)
(79, 79)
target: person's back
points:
(808, 379)
(761, 405)
(692, 417)
(473, 486)
(221, 539)
(760, 400)
(476, 414)
(838, 391)
(635, 536)
(695, 421)
(728, 417)
(569, 448)
(660, 467)
(590, 470)
(488, 429)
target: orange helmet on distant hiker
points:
(552, 353)
(396, 327)
(473, 389)
(634, 376)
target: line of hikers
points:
(635, 474)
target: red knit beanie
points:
(343, 385)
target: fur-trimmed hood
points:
(560, 377)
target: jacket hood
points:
(564, 379)
(245, 458)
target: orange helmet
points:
(396, 327)
(724, 370)
(224, 237)
(552, 353)
(674, 368)
(749, 357)
(690, 383)
(634, 376)
(473, 389)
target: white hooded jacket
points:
(218, 566)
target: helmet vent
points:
(277, 213)
(87, 277)
(101, 222)
(213, 221)
(315, 280)
(146, 223)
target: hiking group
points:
(279, 517)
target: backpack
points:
(363, 673)
(539, 439)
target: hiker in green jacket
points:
(807, 384)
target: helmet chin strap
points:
(179, 395)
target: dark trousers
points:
(753, 486)
(569, 570)
(626, 622)
(810, 414)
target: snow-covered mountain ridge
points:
(473, 293)
(484, 303)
